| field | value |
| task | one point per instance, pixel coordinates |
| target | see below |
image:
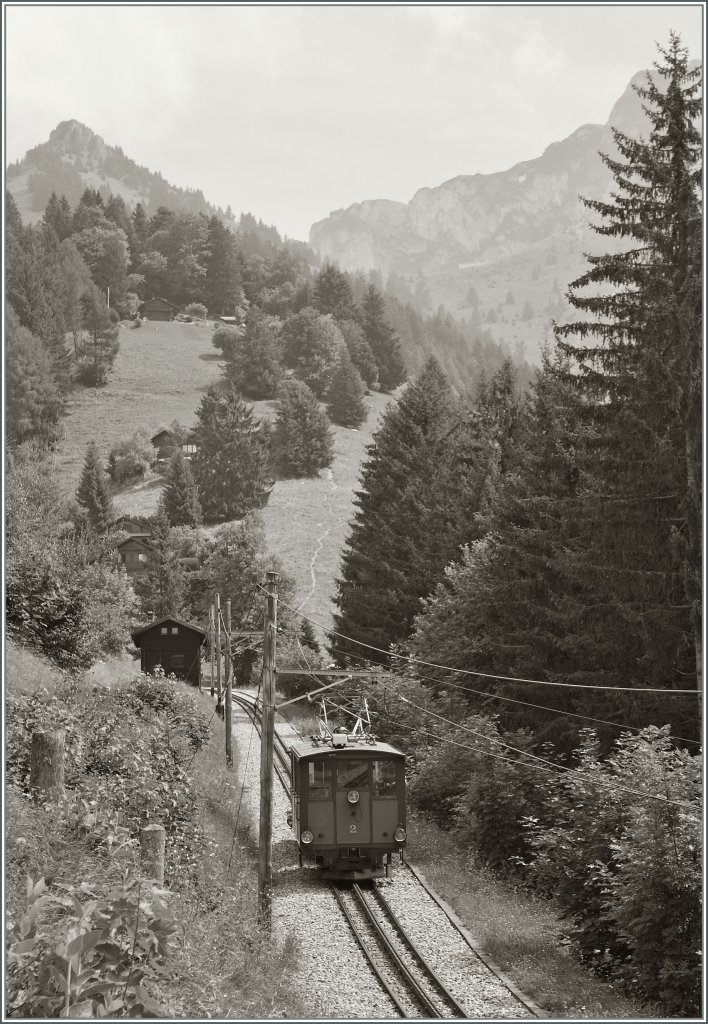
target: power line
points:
(511, 700)
(490, 675)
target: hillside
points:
(75, 158)
(160, 374)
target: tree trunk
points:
(152, 852)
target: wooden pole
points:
(217, 616)
(211, 646)
(265, 858)
(229, 671)
(47, 765)
(152, 852)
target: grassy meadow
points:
(161, 374)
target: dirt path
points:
(320, 540)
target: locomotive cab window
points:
(352, 775)
(384, 773)
(319, 780)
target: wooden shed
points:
(157, 308)
(173, 644)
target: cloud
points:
(535, 54)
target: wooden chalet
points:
(172, 644)
(167, 445)
(132, 524)
(135, 554)
(157, 308)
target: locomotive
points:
(348, 802)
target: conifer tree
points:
(419, 492)
(382, 341)
(255, 366)
(360, 352)
(180, 499)
(33, 402)
(635, 365)
(57, 216)
(333, 293)
(345, 398)
(162, 587)
(232, 468)
(302, 439)
(93, 492)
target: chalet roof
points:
(137, 633)
(141, 539)
(161, 434)
(158, 298)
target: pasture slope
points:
(160, 374)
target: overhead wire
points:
(448, 684)
(491, 675)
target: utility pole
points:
(211, 646)
(228, 670)
(265, 859)
(217, 616)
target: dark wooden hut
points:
(135, 553)
(173, 644)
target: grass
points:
(519, 931)
(161, 373)
(220, 966)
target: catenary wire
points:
(496, 696)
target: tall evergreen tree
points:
(419, 492)
(93, 492)
(345, 398)
(255, 367)
(162, 588)
(57, 216)
(635, 362)
(180, 499)
(232, 467)
(382, 341)
(333, 293)
(302, 439)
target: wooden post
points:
(265, 858)
(217, 616)
(152, 852)
(47, 765)
(211, 646)
(229, 671)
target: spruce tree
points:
(302, 439)
(93, 492)
(180, 499)
(232, 468)
(33, 403)
(383, 342)
(360, 352)
(635, 358)
(345, 398)
(333, 293)
(415, 508)
(162, 587)
(255, 366)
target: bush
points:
(197, 310)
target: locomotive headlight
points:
(306, 836)
(399, 835)
(353, 796)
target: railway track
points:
(402, 967)
(410, 982)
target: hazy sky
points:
(292, 111)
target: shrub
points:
(196, 309)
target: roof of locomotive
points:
(311, 748)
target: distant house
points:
(135, 554)
(173, 644)
(168, 443)
(158, 309)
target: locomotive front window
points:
(319, 778)
(384, 779)
(352, 775)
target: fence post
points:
(47, 765)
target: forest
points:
(524, 559)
